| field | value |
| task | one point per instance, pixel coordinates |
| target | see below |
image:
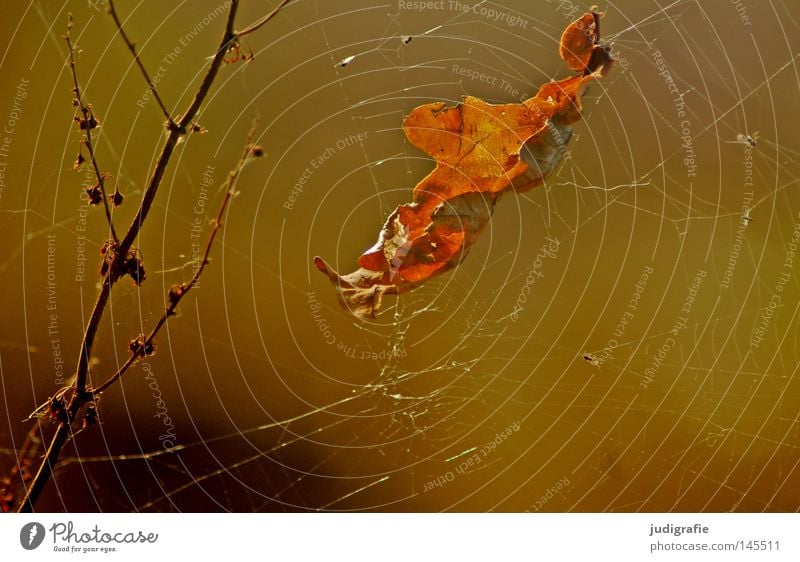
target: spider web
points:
(622, 338)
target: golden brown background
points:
(275, 399)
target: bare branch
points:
(80, 399)
(177, 292)
(87, 123)
(132, 49)
(178, 131)
(121, 252)
(262, 21)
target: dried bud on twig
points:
(58, 409)
(140, 347)
(116, 198)
(90, 418)
(175, 294)
(237, 54)
(134, 267)
(87, 124)
(95, 194)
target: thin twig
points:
(262, 21)
(175, 134)
(132, 48)
(87, 125)
(80, 398)
(46, 468)
(177, 292)
(125, 245)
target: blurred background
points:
(623, 338)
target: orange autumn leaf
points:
(481, 151)
(578, 41)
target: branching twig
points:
(175, 133)
(117, 268)
(86, 124)
(132, 49)
(262, 21)
(144, 345)
(82, 397)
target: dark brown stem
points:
(262, 21)
(46, 468)
(132, 49)
(81, 397)
(87, 343)
(150, 193)
(87, 125)
(177, 293)
(176, 132)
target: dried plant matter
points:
(75, 407)
(481, 151)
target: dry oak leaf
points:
(481, 151)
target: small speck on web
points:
(345, 61)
